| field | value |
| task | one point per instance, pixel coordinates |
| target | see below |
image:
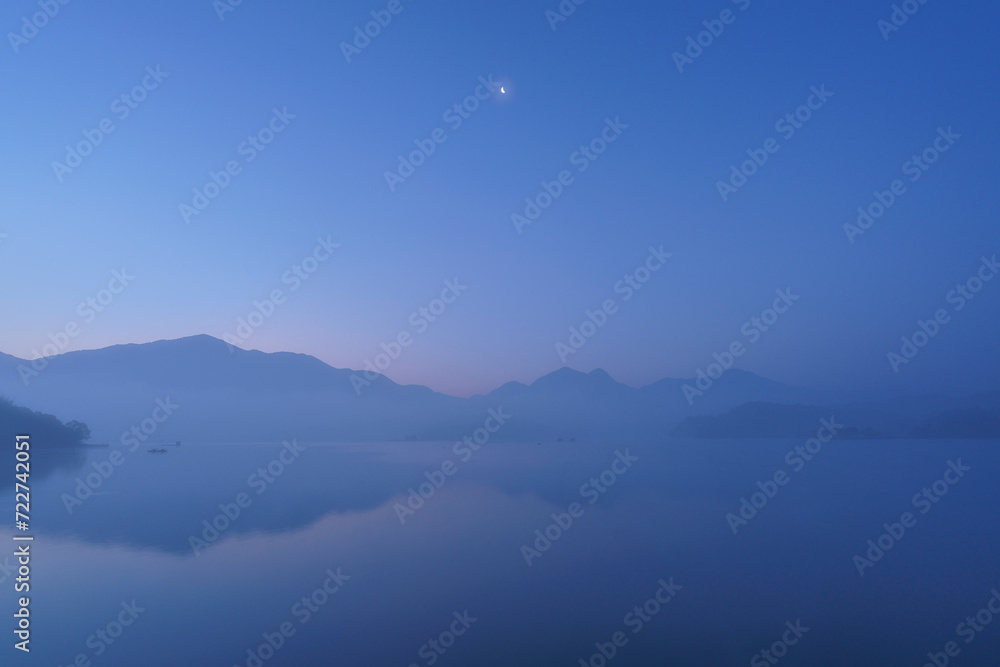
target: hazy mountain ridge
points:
(226, 394)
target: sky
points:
(211, 76)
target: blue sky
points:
(656, 184)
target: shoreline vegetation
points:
(43, 428)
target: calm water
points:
(397, 586)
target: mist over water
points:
(620, 522)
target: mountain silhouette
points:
(227, 394)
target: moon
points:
(502, 90)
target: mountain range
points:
(219, 393)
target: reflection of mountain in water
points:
(160, 501)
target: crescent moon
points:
(502, 90)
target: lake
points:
(416, 553)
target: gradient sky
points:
(655, 185)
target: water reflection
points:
(661, 520)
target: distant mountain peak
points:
(568, 378)
(601, 374)
(200, 340)
(185, 344)
(562, 375)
